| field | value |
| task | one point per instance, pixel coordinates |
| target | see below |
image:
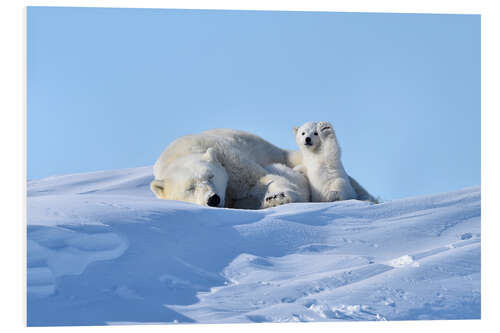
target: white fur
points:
(244, 170)
(321, 163)
(288, 184)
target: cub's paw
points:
(324, 127)
(333, 196)
(275, 199)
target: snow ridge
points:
(102, 250)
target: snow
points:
(102, 249)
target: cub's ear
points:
(324, 127)
(210, 155)
(158, 188)
(295, 129)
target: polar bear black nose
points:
(308, 139)
(213, 201)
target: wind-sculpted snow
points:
(103, 250)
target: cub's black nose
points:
(213, 201)
(308, 139)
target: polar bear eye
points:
(191, 188)
(315, 133)
(303, 133)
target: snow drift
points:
(101, 249)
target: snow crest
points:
(103, 250)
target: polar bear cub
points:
(321, 163)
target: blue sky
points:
(111, 88)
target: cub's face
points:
(310, 135)
(196, 178)
(307, 136)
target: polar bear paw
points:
(276, 199)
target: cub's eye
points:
(191, 188)
(315, 133)
(303, 133)
(210, 177)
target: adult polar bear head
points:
(197, 177)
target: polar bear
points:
(322, 165)
(228, 168)
(285, 180)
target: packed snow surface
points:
(103, 250)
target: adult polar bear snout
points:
(198, 178)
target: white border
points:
(13, 148)
(422, 6)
